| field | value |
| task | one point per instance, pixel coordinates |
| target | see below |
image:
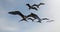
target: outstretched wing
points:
(41, 4)
(35, 8)
(34, 5)
(12, 12)
(31, 19)
(37, 5)
(18, 13)
(45, 19)
(50, 21)
(31, 7)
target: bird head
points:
(27, 4)
(14, 12)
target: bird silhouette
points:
(31, 7)
(18, 13)
(37, 5)
(50, 21)
(35, 17)
(45, 19)
(31, 19)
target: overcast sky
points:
(9, 23)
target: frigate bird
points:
(18, 13)
(35, 17)
(50, 21)
(31, 19)
(31, 7)
(45, 19)
(37, 5)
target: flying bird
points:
(35, 17)
(18, 13)
(37, 5)
(31, 7)
(50, 21)
(31, 19)
(45, 19)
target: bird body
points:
(35, 17)
(31, 7)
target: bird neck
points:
(20, 14)
(29, 5)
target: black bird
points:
(31, 7)
(50, 21)
(31, 19)
(18, 13)
(45, 19)
(34, 16)
(38, 5)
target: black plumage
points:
(45, 19)
(18, 13)
(35, 17)
(31, 7)
(50, 21)
(37, 5)
(31, 19)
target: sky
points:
(9, 23)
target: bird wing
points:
(41, 4)
(45, 19)
(35, 8)
(34, 5)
